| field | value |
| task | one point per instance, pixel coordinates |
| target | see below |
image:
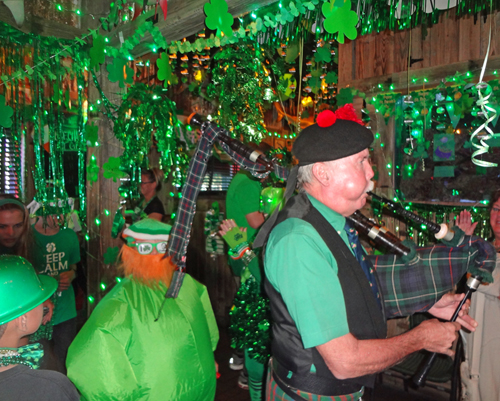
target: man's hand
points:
(227, 225)
(65, 280)
(447, 305)
(464, 222)
(437, 336)
(50, 305)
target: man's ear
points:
(22, 322)
(321, 173)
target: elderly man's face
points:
(351, 180)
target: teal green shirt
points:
(302, 269)
(54, 254)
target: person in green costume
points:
(139, 345)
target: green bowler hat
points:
(21, 289)
(148, 230)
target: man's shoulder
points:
(290, 228)
(38, 384)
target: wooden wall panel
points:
(451, 40)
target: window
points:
(218, 176)
(11, 158)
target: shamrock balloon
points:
(340, 19)
(5, 113)
(218, 18)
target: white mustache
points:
(370, 186)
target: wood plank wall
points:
(377, 58)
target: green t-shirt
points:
(54, 254)
(302, 269)
(243, 197)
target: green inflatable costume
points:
(124, 352)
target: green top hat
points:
(21, 289)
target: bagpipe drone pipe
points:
(244, 156)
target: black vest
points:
(364, 317)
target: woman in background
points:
(151, 206)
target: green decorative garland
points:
(250, 316)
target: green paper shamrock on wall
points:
(97, 55)
(91, 135)
(331, 77)
(120, 72)
(344, 96)
(218, 18)
(164, 69)
(6, 113)
(111, 255)
(340, 19)
(92, 170)
(323, 55)
(112, 169)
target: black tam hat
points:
(334, 136)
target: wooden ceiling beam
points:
(184, 18)
(40, 26)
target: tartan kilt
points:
(275, 393)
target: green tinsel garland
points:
(250, 321)
(144, 110)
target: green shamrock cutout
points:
(340, 19)
(218, 18)
(284, 17)
(111, 255)
(270, 23)
(112, 169)
(91, 134)
(164, 69)
(344, 96)
(6, 113)
(331, 77)
(92, 170)
(120, 72)
(420, 152)
(323, 55)
(97, 55)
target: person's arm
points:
(255, 219)
(348, 357)
(65, 278)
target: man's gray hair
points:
(305, 174)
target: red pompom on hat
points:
(347, 112)
(326, 118)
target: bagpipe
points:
(411, 279)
